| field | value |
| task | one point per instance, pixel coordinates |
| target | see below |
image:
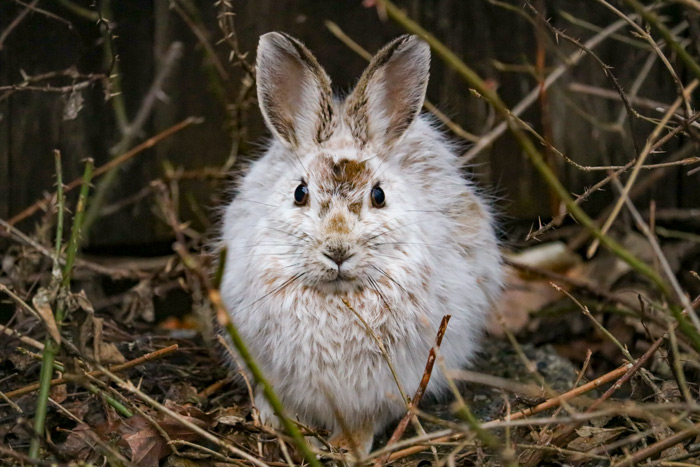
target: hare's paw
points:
(266, 412)
(355, 442)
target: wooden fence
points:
(198, 80)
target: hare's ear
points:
(390, 92)
(294, 93)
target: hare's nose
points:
(337, 254)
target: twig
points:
(640, 188)
(130, 130)
(403, 424)
(201, 35)
(46, 13)
(605, 68)
(115, 369)
(654, 20)
(640, 161)
(612, 95)
(80, 11)
(92, 435)
(677, 365)
(89, 265)
(693, 334)
(149, 143)
(15, 22)
(27, 340)
(631, 371)
(659, 446)
(128, 386)
(60, 202)
(556, 401)
(358, 49)
(463, 412)
(573, 59)
(525, 143)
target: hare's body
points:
(360, 202)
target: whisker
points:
(385, 274)
(376, 288)
(260, 244)
(277, 289)
(255, 202)
(391, 230)
(265, 254)
(434, 245)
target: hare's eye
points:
(301, 195)
(378, 198)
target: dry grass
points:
(619, 296)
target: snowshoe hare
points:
(363, 200)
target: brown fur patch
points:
(341, 183)
(344, 177)
(337, 223)
(355, 208)
(325, 206)
(349, 171)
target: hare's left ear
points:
(294, 93)
(391, 91)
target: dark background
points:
(32, 123)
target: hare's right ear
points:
(390, 93)
(294, 93)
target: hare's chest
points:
(332, 328)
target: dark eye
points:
(378, 198)
(301, 195)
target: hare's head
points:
(355, 172)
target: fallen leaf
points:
(146, 443)
(59, 393)
(181, 393)
(91, 344)
(520, 298)
(232, 416)
(139, 303)
(79, 444)
(42, 304)
(525, 293)
(591, 437)
(80, 301)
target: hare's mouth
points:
(339, 278)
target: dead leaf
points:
(181, 393)
(59, 393)
(22, 362)
(525, 293)
(139, 303)
(177, 461)
(90, 332)
(520, 298)
(80, 301)
(42, 303)
(79, 444)
(146, 443)
(591, 437)
(109, 354)
(232, 416)
(553, 256)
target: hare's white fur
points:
(430, 251)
